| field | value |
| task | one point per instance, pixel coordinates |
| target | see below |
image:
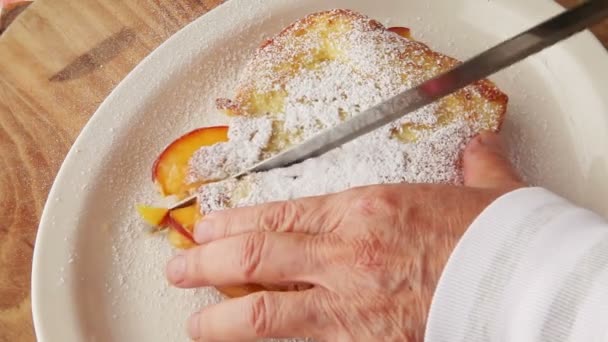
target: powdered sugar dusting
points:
(339, 73)
(375, 158)
(222, 160)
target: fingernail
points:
(193, 326)
(176, 269)
(203, 231)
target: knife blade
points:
(499, 57)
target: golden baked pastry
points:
(315, 73)
(349, 37)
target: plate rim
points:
(162, 52)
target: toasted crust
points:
(310, 42)
(315, 42)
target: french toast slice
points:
(270, 85)
(322, 70)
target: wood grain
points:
(58, 61)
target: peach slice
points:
(170, 168)
(246, 289)
(152, 215)
(181, 221)
(180, 238)
(402, 31)
(186, 216)
(241, 290)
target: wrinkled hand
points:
(374, 255)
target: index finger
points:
(310, 215)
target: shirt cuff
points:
(518, 271)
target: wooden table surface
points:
(58, 61)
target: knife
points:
(501, 56)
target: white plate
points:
(97, 277)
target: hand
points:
(373, 255)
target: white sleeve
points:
(531, 267)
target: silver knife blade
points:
(501, 56)
(483, 65)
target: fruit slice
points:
(180, 238)
(186, 216)
(402, 31)
(170, 168)
(241, 290)
(181, 222)
(152, 215)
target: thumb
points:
(486, 164)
